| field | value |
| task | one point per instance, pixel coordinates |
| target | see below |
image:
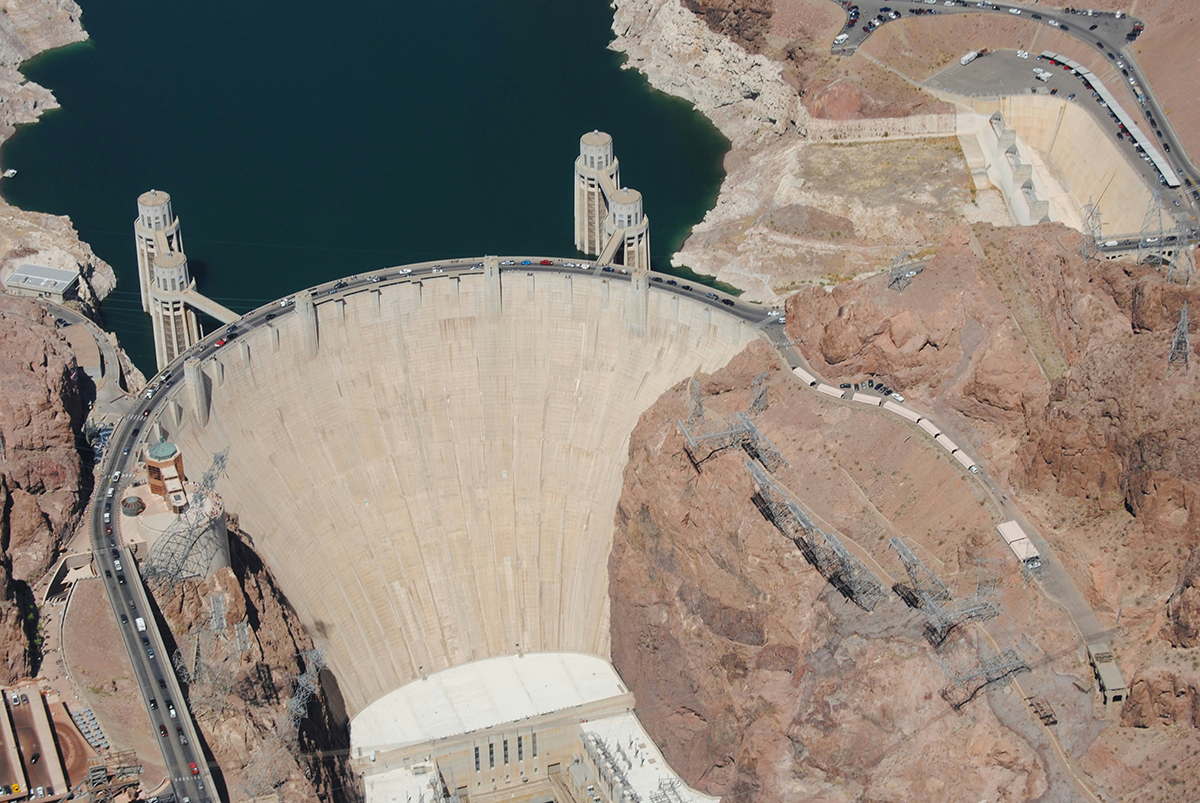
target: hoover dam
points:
(431, 464)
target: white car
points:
(1022, 54)
(973, 469)
(405, 271)
(1014, 11)
(898, 397)
(116, 477)
(1055, 23)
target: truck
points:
(141, 624)
(1018, 541)
(967, 59)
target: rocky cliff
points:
(758, 680)
(238, 685)
(43, 485)
(29, 27)
(1055, 367)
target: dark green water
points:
(300, 143)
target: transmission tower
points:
(930, 595)
(306, 687)
(965, 685)
(1091, 237)
(758, 394)
(824, 551)
(900, 275)
(695, 403)
(704, 438)
(1181, 346)
(1150, 241)
(1181, 264)
(186, 547)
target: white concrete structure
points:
(40, 281)
(1074, 160)
(452, 472)
(515, 727)
(168, 292)
(609, 220)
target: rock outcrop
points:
(741, 92)
(29, 27)
(1163, 697)
(758, 681)
(43, 486)
(238, 690)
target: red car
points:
(545, 262)
(195, 769)
(221, 342)
(162, 731)
(108, 529)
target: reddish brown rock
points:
(239, 698)
(1163, 698)
(42, 482)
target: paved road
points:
(1055, 580)
(148, 656)
(111, 398)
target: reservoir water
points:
(303, 141)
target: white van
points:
(841, 38)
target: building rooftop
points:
(154, 198)
(639, 760)
(625, 195)
(171, 259)
(163, 450)
(41, 277)
(482, 694)
(596, 138)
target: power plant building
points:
(609, 221)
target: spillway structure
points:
(431, 464)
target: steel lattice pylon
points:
(1181, 265)
(1091, 237)
(965, 685)
(823, 550)
(704, 438)
(758, 395)
(930, 594)
(1181, 345)
(186, 548)
(1150, 241)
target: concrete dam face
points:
(437, 484)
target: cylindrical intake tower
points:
(597, 172)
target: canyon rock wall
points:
(760, 682)
(43, 485)
(238, 690)
(741, 92)
(29, 27)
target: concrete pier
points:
(197, 387)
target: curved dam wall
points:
(438, 484)
(1082, 154)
